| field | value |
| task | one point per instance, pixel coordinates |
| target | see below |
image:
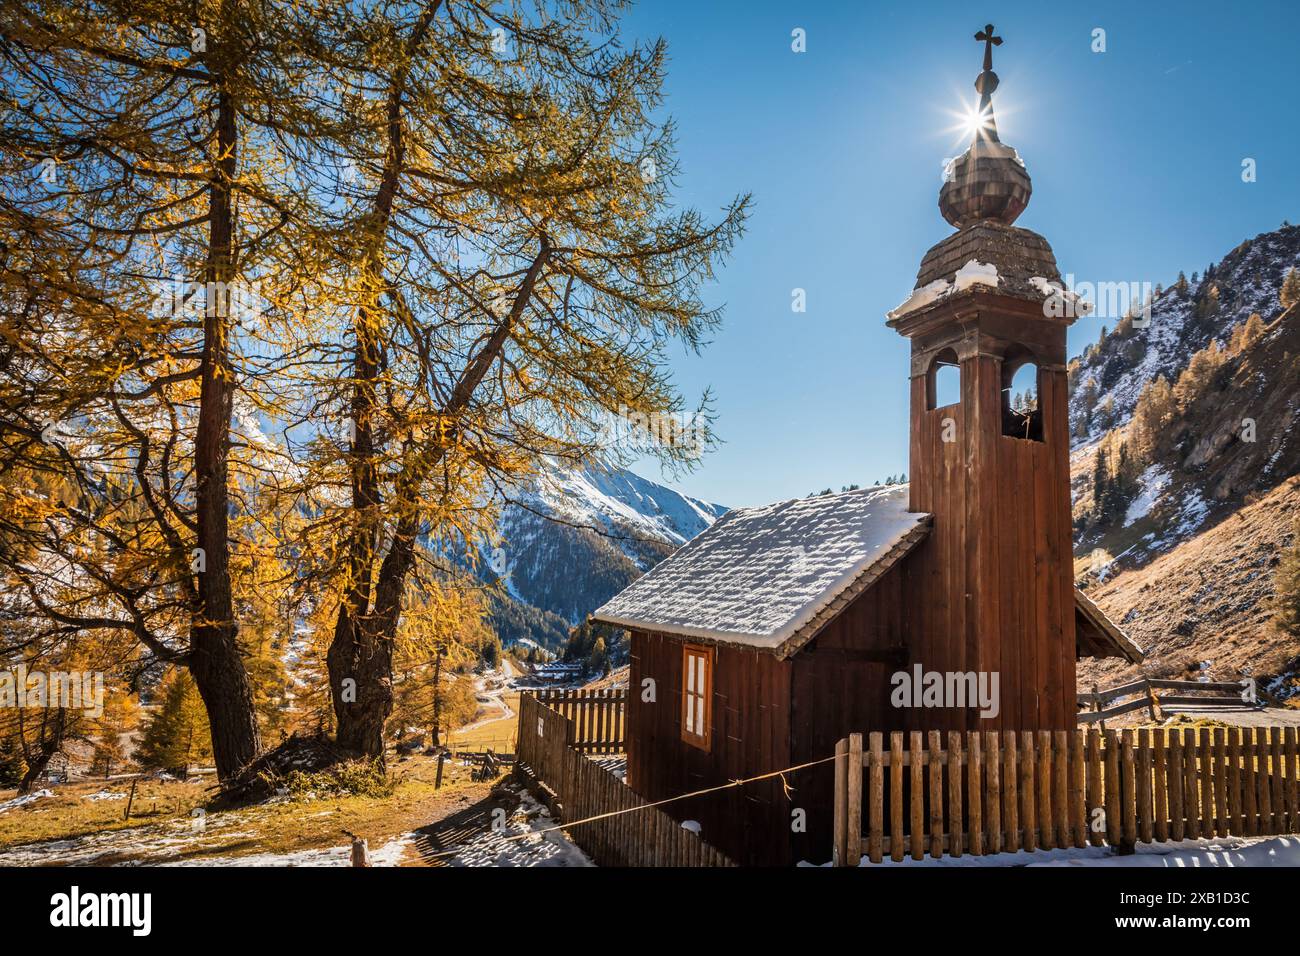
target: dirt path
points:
(507, 828)
(1243, 717)
(497, 697)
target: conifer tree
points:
(1289, 294)
(1286, 588)
(12, 766)
(165, 209)
(121, 714)
(1152, 413)
(550, 272)
(1100, 483)
(175, 736)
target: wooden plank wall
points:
(613, 824)
(991, 589)
(750, 735)
(599, 717)
(993, 792)
(836, 688)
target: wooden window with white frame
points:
(697, 695)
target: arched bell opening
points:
(943, 380)
(1022, 413)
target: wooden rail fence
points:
(576, 788)
(599, 717)
(1234, 694)
(995, 792)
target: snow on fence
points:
(611, 822)
(1230, 694)
(599, 717)
(997, 792)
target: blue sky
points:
(1135, 155)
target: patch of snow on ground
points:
(24, 800)
(1191, 514)
(1153, 482)
(390, 854)
(152, 843)
(1187, 854)
(510, 846)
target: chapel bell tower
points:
(992, 588)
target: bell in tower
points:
(993, 585)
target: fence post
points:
(975, 792)
(917, 758)
(993, 782)
(853, 830)
(954, 793)
(936, 794)
(1146, 829)
(1153, 704)
(840, 851)
(1128, 794)
(876, 797)
(896, 796)
(1293, 811)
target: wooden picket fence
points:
(581, 793)
(996, 792)
(599, 717)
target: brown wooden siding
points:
(842, 681)
(991, 588)
(750, 735)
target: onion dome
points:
(988, 181)
(986, 188)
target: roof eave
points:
(1123, 646)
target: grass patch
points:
(377, 807)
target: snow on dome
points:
(1077, 306)
(759, 576)
(975, 273)
(922, 297)
(972, 273)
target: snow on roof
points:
(971, 274)
(762, 577)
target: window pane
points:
(690, 674)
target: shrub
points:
(363, 778)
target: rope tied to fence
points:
(731, 784)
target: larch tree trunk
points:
(360, 656)
(436, 740)
(215, 660)
(50, 743)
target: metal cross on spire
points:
(985, 84)
(986, 37)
